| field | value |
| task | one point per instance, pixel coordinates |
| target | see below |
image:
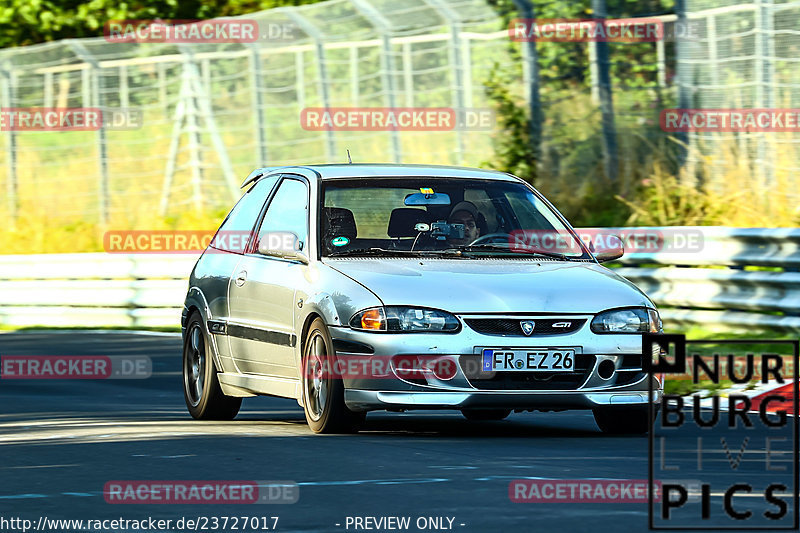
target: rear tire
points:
(323, 388)
(201, 390)
(485, 414)
(622, 420)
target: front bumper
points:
(627, 387)
(368, 400)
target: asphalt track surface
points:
(62, 440)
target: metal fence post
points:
(682, 78)
(48, 89)
(313, 32)
(534, 103)
(300, 79)
(388, 70)
(161, 70)
(765, 75)
(355, 89)
(124, 98)
(98, 101)
(594, 74)
(258, 104)
(606, 96)
(408, 75)
(8, 98)
(455, 61)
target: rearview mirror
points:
(284, 244)
(611, 249)
(420, 198)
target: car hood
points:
(493, 285)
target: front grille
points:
(471, 366)
(511, 327)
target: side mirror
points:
(611, 249)
(285, 245)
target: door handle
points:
(241, 278)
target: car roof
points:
(368, 170)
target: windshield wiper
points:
(384, 252)
(505, 249)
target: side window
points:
(236, 230)
(288, 211)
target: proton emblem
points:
(527, 326)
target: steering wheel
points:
(498, 238)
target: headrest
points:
(338, 222)
(403, 220)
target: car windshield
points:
(457, 217)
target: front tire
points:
(323, 388)
(201, 390)
(622, 420)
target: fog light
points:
(416, 367)
(444, 368)
(606, 369)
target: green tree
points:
(25, 22)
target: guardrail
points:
(738, 278)
(716, 284)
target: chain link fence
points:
(745, 56)
(210, 113)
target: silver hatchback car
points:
(354, 288)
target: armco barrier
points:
(714, 286)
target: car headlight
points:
(405, 319)
(629, 320)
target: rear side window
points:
(236, 230)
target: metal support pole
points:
(594, 73)
(124, 98)
(682, 78)
(206, 70)
(455, 61)
(766, 63)
(466, 69)
(161, 69)
(98, 100)
(525, 8)
(355, 88)
(190, 75)
(711, 32)
(300, 79)
(257, 103)
(661, 57)
(408, 75)
(48, 89)
(313, 32)
(606, 97)
(86, 86)
(8, 98)
(388, 70)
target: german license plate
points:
(530, 360)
